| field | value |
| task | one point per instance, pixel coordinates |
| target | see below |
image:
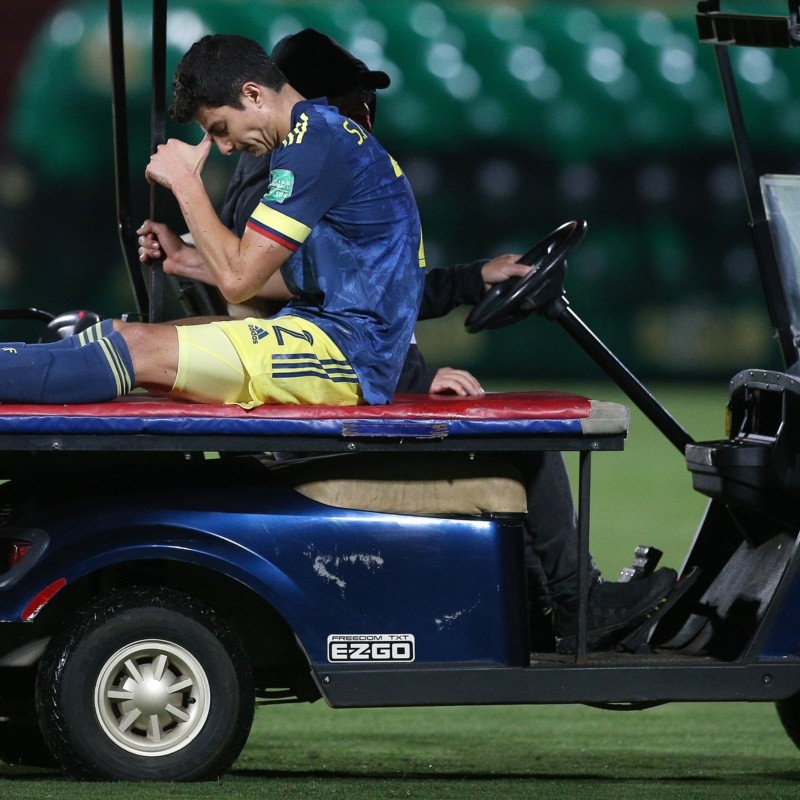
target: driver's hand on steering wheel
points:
(455, 381)
(499, 269)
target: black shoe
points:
(614, 610)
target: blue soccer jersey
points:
(341, 202)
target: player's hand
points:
(455, 381)
(157, 241)
(499, 269)
(176, 160)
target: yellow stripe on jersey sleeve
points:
(281, 223)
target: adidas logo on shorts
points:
(257, 333)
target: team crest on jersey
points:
(256, 333)
(281, 185)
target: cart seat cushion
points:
(407, 483)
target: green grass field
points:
(729, 751)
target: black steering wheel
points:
(501, 305)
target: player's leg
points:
(295, 363)
(99, 371)
(127, 355)
(92, 334)
(153, 351)
(289, 360)
(97, 331)
(209, 369)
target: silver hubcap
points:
(152, 697)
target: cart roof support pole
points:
(774, 292)
(723, 30)
(158, 198)
(119, 107)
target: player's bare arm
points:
(158, 242)
(240, 268)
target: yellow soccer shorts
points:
(251, 362)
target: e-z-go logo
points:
(371, 647)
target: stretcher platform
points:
(499, 421)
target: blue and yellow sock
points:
(100, 330)
(97, 371)
(92, 334)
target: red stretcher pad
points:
(426, 416)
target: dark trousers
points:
(551, 543)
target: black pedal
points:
(636, 641)
(645, 560)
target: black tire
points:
(22, 745)
(147, 684)
(21, 741)
(789, 715)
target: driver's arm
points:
(449, 287)
(502, 268)
(418, 378)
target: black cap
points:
(317, 66)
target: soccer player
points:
(339, 218)
(318, 67)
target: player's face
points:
(250, 129)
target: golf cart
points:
(143, 620)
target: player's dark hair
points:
(214, 69)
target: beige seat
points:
(426, 484)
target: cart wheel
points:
(789, 714)
(22, 745)
(148, 684)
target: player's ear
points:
(253, 92)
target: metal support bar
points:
(28, 445)
(119, 109)
(584, 492)
(621, 375)
(158, 194)
(774, 292)
(741, 144)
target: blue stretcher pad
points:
(415, 416)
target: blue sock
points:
(94, 332)
(95, 372)
(100, 330)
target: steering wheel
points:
(501, 305)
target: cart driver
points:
(319, 67)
